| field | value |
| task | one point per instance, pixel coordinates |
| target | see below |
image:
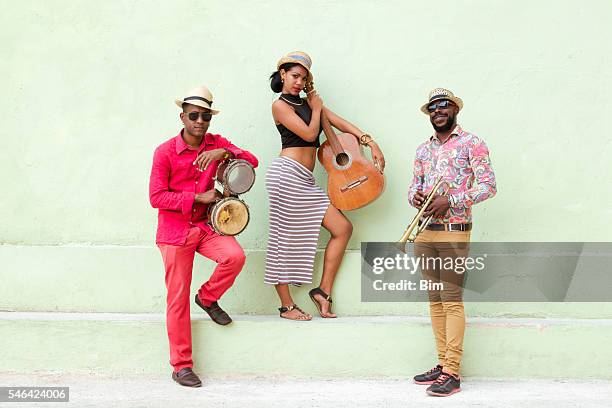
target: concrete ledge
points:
(157, 317)
(355, 347)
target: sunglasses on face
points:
(442, 104)
(193, 116)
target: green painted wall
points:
(88, 90)
(130, 280)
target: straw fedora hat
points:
(440, 94)
(199, 96)
(297, 57)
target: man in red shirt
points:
(182, 187)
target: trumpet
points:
(414, 229)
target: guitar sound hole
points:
(342, 159)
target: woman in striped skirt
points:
(298, 207)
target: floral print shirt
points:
(463, 162)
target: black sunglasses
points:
(442, 104)
(193, 116)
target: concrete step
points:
(130, 279)
(159, 391)
(349, 347)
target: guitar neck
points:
(330, 134)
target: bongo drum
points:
(228, 216)
(236, 176)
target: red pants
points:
(178, 262)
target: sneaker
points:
(445, 385)
(428, 377)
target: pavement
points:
(140, 390)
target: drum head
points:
(238, 177)
(229, 216)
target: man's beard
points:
(449, 125)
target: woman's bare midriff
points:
(304, 155)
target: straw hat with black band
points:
(199, 96)
(440, 94)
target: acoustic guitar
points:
(353, 181)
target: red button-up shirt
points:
(175, 181)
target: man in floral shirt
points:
(462, 160)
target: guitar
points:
(353, 181)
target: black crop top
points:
(302, 109)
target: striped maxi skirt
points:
(297, 207)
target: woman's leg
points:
(287, 301)
(341, 230)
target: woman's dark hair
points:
(275, 79)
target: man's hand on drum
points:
(208, 197)
(207, 157)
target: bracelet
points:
(365, 139)
(227, 154)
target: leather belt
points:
(449, 227)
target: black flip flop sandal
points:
(319, 291)
(284, 309)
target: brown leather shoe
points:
(187, 377)
(215, 312)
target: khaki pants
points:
(445, 305)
